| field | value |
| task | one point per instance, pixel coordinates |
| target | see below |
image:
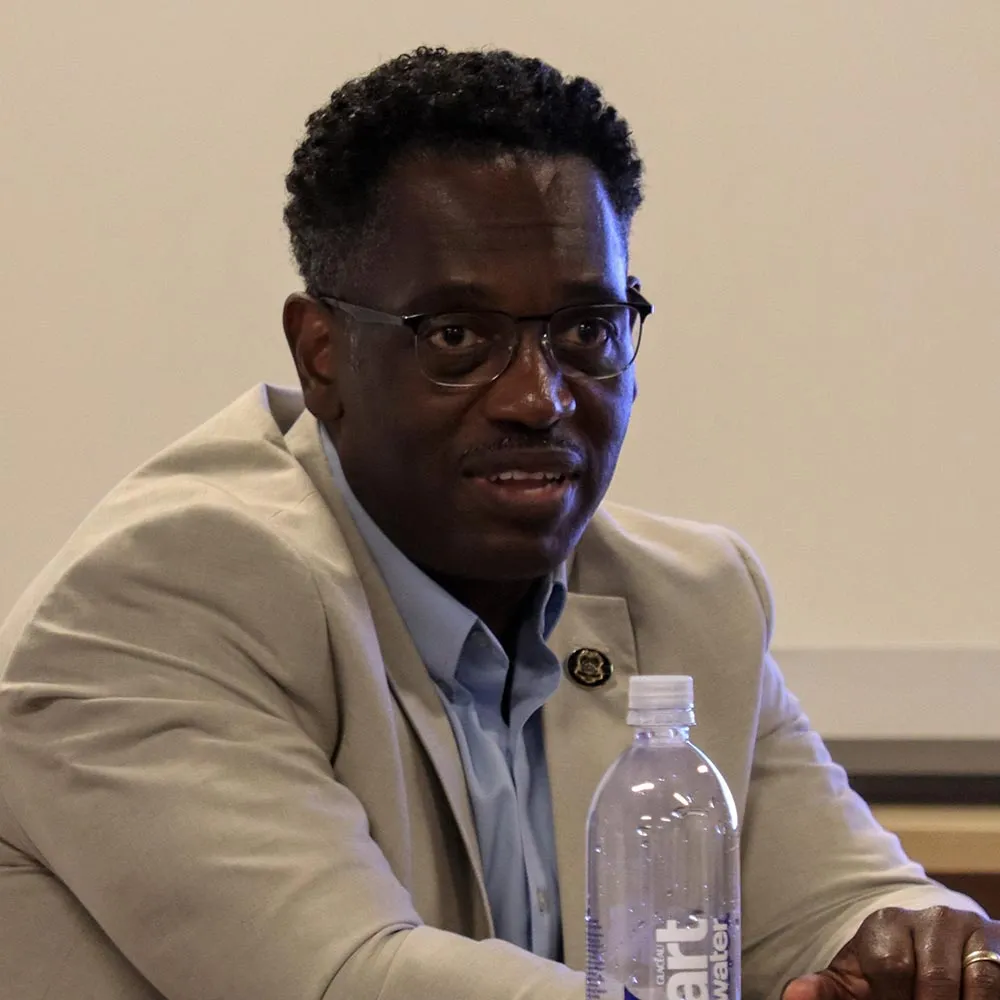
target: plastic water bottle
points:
(663, 897)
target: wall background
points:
(821, 238)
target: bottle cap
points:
(660, 693)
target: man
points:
(272, 722)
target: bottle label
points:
(691, 959)
(693, 962)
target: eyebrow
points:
(591, 289)
(451, 291)
(475, 295)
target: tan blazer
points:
(227, 774)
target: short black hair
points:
(438, 100)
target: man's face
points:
(432, 465)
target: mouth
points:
(533, 484)
(525, 494)
(525, 480)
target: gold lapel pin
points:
(589, 667)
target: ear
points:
(633, 284)
(312, 333)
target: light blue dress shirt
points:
(504, 763)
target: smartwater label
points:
(690, 961)
(693, 962)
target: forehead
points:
(517, 227)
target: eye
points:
(458, 332)
(452, 337)
(590, 331)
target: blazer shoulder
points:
(686, 551)
(186, 589)
(225, 508)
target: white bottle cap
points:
(660, 693)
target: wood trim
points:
(947, 839)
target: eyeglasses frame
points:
(413, 321)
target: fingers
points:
(816, 986)
(911, 955)
(981, 980)
(884, 947)
(939, 937)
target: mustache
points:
(543, 440)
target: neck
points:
(500, 605)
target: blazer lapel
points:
(585, 730)
(408, 677)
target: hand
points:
(909, 955)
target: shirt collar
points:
(438, 624)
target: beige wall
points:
(822, 240)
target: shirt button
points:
(542, 900)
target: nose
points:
(532, 392)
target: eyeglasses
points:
(475, 347)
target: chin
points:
(510, 557)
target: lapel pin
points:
(589, 667)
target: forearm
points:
(424, 962)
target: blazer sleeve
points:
(155, 757)
(815, 861)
